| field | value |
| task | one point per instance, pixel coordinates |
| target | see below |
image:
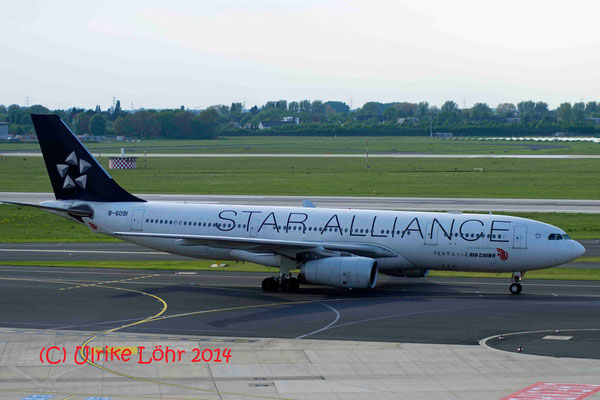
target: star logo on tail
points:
(63, 170)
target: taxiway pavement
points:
(484, 205)
(427, 310)
(408, 339)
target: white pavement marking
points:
(337, 317)
(404, 315)
(483, 342)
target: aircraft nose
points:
(577, 250)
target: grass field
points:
(24, 224)
(552, 273)
(319, 144)
(503, 178)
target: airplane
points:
(342, 248)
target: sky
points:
(157, 54)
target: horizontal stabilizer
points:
(74, 211)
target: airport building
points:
(3, 130)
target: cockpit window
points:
(558, 236)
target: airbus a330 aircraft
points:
(335, 247)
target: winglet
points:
(308, 204)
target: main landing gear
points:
(516, 288)
(285, 282)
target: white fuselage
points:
(438, 241)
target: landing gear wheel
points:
(516, 288)
(270, 285)
(290, 285)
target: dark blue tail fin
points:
(74, 173)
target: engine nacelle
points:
(342, 272)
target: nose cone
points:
(577, 250)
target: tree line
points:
(320, 118)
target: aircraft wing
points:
(284, 247)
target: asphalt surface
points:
(220, 303)
(124, 251)
(374, 203)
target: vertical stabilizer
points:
(74, 173)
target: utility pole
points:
(430, 126)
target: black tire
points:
(302, 279)
(515, 288)
(270, 285)
(290, 285)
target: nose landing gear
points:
(516, 288)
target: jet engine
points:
(342, 272)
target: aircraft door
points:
(253, 227)
(431, 234)
(136, 220)
(520, 237)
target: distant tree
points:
(563, 112)
(294, 106)
(338, 107)
(449, 113)
(404, 108)
(317, 107)
(481, 111)
(182, 108)
(208, 119)
(390, 114)
(98, 110)
(422, 109)
(38, 109)
(81, 123)
(117, 110)
(371, 108)
(590, 108)
(254, 110)
(236, 108)
(506, 110)
(97, 125)
(14, 108)
(525, 107)
(221, 109)
(578, 111)
(450, 106)
(541, 109)
(281, 105)
(3, 109)
(269, 104)
(305, 106)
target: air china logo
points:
(502, 254)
